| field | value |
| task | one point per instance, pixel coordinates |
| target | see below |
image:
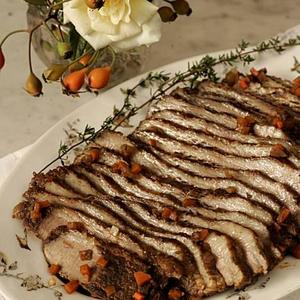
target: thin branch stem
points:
(113, 53)
(61, 33)
(12, 33)
(30, 43)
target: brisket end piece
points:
(63, 248)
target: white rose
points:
(123, 24)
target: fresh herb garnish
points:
(203, 69)
(23, 241)
(30, 282)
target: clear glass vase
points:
(127, 63)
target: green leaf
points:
(74, 40)
(78, 43)
(37, 2)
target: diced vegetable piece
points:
(278, 123)
(86, 271)
(71, 286)
(283, 215)
(44, 204)
(120, 167)
(54, 269)
(244, 83)
(254, 72)
(110, 290)
(175, 294)
(188, 202)
(94, 154)
(86, 254)
(138, 296)
(278, 151)
(166, 213)
(142, 278)
(75, 225)
(169, 214)
(245, 124)
(136, 169)
(199, 236)
(102, 262)
(152, 142)
(36, 212)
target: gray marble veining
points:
(214, 25)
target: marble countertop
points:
(214, 25)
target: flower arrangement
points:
(84, 29)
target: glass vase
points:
(127, 63)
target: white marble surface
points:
(214, 25)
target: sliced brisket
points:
(188, 197)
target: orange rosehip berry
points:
(84, 60)
(2, 59)
(73, 82)
(99, 77)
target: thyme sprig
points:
(296, 66)
(202, 69)
(30, 282)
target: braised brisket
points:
(188, 198)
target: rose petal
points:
(113, 9)
(126, 30)
(127, 12)
(101, 23)
(151, 33)
(76, 12)
(97, 40)
(142, 11)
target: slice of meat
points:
(157, 188)
(239, 97)
(276, 169)
(206, 140)
(216, 103)
(227, 176)
(227, 262)
(63, 248)
(208, 224)
(276, 90)
(144, 238)
(159, 168)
